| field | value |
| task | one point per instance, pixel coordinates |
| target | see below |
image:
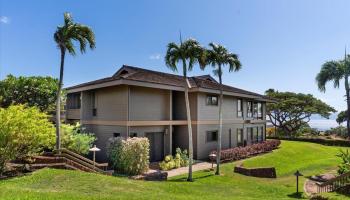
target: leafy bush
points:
(239, 153)
(129, 156)
(339, 131)
(344, 167)
(75, 139)
(24, 132)
(34, 91)
(180, 160)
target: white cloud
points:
(155, 56)
(4, 20)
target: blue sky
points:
(281, 44)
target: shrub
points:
(344, 167)
(75, 139)
(328, 142)
(24, 132)
(180, 160)
(129, 156)
(239, 153)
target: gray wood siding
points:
(103, 134)
(149, 104)
(112, 103)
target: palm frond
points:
(330, 71)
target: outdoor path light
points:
(212, 157)
(94, 149)
(297, 174)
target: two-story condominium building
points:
(136, 102)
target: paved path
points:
(184, 170)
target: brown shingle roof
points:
(144, 75)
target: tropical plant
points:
(36, 91)
(292, 110)
(188, 53)
(129, 156)
(24, 132)
(64, 37)
(218, 57)
(344, 167)
(335, 71)
(76, 139)
(170, 162)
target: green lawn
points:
(63, 184)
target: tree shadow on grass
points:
(184, 179)
(296, 195)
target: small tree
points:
(293, 110)
(76, 139)
(24, 132)
(33, 90)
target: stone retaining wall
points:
(264, 172)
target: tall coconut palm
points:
(64, 37)
(188, 53)
(218, 56)
(335, 71)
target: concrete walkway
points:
(184, 170)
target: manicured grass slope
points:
(64, 184)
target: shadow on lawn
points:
(296, 195)
(184, 179)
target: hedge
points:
(239, 153)
(328, 142)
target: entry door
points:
(156, 141)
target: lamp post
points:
(94, 149)
(297, 174)
(212, 157)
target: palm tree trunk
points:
(348, 104)
(189, 125)
(58, 101)
(218, 156)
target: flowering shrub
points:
(238, 153)
(180, 160)
(129, 156)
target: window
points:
(255, 110)
(261, 134)
(239, 137)
(212, 100)
(133, 135)
(212, 136)
(93, 103)
(73, 101)
(260, 111)
(116, 134)
(250, 133)
(255, 135)
(239, 108)
(249, 109)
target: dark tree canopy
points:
(33, 91)
(342, 117)
(293, 110)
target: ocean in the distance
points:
(323, 124)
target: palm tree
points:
(218, 56)
(335, 71)
(189, 53)
(64, 37)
